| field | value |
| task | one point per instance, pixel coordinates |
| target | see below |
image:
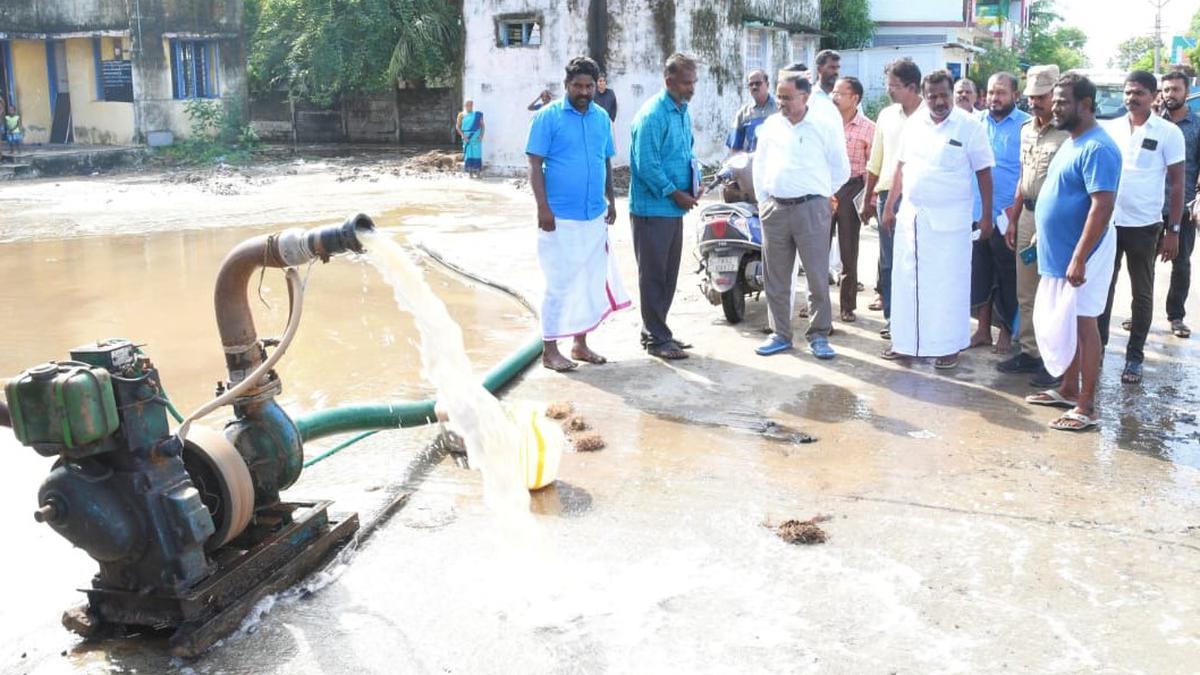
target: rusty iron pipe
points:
(285, 249)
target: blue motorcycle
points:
(729, 241)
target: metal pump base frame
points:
(294, 539)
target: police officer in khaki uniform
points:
(1040, 140)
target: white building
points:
(517, 48)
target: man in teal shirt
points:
(660, 192)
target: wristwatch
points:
(1173, 229)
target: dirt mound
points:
(803, 531)
(435, 160)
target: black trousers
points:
(657, 246)
(1138, 246)
(994, 278)
(1181, 270)
(846, 225)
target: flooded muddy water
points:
(962, 535)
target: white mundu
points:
(931, 263)
(1146, 152)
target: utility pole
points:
(1158, 5)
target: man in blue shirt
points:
(570, 148)
(660, 192)
(1175, 91)
(1076, 251)
(993, 265)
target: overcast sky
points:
(1108, 22)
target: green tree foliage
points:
(325, 49)
(1047, 41)
(1135, 53)
(849, 23)
(997, 59)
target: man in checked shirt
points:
(860, 131)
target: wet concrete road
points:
(965, 536)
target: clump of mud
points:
(559, 410)
(221, 179)
(588, 442)
(435, 160)
(802, 531)
(576, 423)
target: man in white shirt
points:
(1152, 154)
(904, 88)
(800, 161)
(943, 150)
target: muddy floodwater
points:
(961, 535)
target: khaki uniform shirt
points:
(1038, 147)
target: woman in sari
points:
(470, 129)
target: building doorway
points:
(62, 130)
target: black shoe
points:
(1044, 380)
(1021, 363)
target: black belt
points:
(1030, 203)
(794, 201)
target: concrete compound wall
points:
(404, 116)
(638, 36)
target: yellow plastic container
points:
(542, 443)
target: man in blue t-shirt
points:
(1076, 250)
(570, 151)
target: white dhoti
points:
(582, 286)
(1058, 306)
(931, 281)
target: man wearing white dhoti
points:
(943, 151)
(1076, 251)
(570, 148)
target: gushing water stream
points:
(491, 436)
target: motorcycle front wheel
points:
(733, 301)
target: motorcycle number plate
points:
(729, 264)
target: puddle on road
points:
(353, 344)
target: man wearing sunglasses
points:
(744, 137)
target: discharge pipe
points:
(289, 248)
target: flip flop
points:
(668, 351)
(1180, 330)
(848, 317)
(1132, 373)
(563, 368)
(1073, 421)
(1127, 325)
(945, 363)
(591, 357)
(1050, 397)
(889, 355)
(876, 305)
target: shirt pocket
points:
(951, 156)
(1146, 159)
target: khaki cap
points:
(1040, 80)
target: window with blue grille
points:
(195, 69)
(519, 32)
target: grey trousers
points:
(788, 230)
(658, 247)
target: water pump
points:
(188, 528)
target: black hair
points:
(936, 77)
(1177, 75)
(796, 67)
(1014, 82)
(1080, 87)
(906, 71)
(582, 65)
(855, 85)
(1143, 78)
(825, 55)
(798, 81)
